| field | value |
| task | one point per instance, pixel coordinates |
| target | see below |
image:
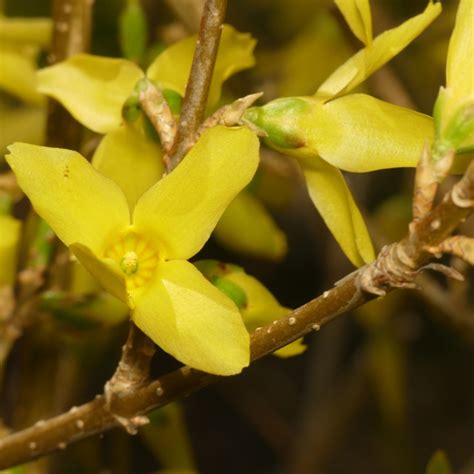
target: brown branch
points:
(200, 77)
(71, 35)
(95, 417)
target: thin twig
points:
(200, 77)
(71, 35)
(95, 417)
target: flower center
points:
(137, 258)
(129, 263)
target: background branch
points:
(71, 35)
(95, 417)
(188, 12)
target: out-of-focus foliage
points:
(439, 464)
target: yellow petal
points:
(321, 34)
(26, 124)
(248, 228)
(460, 63)
(359, 133)
(26, 30)
(262, 308)
(105, 270)
(358, 16)
(77, 202)
(9, 237)
(18, 74)
(192, 320)
(291, 350)
(331, 196)
(383, 48)
(182, 209)
(127, 157)
(92, 88)
(171, 68)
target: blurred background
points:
(378, 390)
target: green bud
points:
(133, 31)
(461, 126)
(174, 100)
(131, 109)
(281, 119)
(230, 289)
(212, 268)
(149, 130)
(458, 132)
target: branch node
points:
(156, 108)
(460, 246)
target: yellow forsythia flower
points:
(333, 130)
(139, 254)
(94, 88)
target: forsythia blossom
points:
(334, 130)
(139, 253)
